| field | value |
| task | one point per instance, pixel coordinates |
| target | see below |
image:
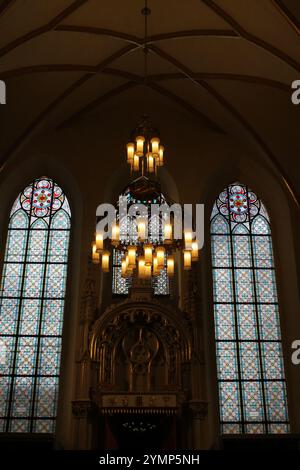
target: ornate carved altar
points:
(136, 359)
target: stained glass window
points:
(252, 389)
(32, 296)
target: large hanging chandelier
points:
(148, 242)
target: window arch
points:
(32, 296)
(251, 380)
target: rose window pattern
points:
(32, 296)
(251, 379)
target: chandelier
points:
(145, 152)
(148, 242)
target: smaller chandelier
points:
(145, 152)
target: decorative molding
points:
(145, 403)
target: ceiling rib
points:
(221, 33)
(100, 32)
(287, 14)
(237, 32)
(5, 5)
(39, 119)
(48, 68)
(252, 79)
(217, 9)
(42, 29)
(251, 37)
(137, 80)
(236, 114)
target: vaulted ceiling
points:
(229, 63)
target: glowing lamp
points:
(155, 146)
(124, 267)
(187, 259)
(115, 233)
(161, 156)
(148, 255)
(188, 238)
(140, 145)
(150, 162)
(136, 163)
(141, 267)
(195, 251)
(168, 233)
(131, 257)
(156, 271)
(130, 152)
(95, 255)
(99, 242)
(170, 266)
(141, 230)
(160, 254)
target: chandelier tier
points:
(145, 152)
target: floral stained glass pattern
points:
(252, 389)
(31, 307)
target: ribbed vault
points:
(210, 57)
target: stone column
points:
(85, 414)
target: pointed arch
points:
(32, 297)
(251, 378)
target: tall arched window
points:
(252, 389)
(31, 307)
